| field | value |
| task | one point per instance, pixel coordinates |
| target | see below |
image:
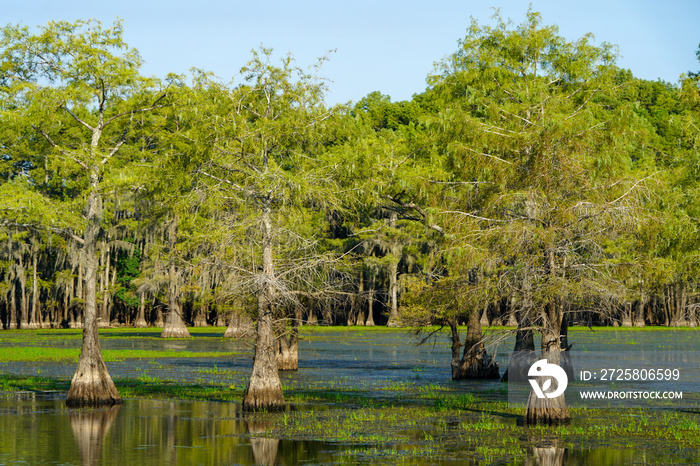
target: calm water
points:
(41, 430)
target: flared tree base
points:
(140, 324)
(476, 366)
(393, 322)
(520, 362)
(92, 386)
(288, 360)
(548, 411)
(176, 332)
(263, 399)
(239, 332)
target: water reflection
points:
(89, 428)
(545, 451)
(264, 448)
(147, 432)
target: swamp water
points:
(39, 429)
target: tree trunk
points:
(75, 317)
(264, 390)
(554, 335)
(393, 291)
(103, 319)
(140, 321)
(524, 351)
(159, 322)
(35, 311)
(311, 319)
(200, 314)
(112, 319)
(23, 301)
(92, 385)
(626, 310)
(352, 312)
(359, 298)
(370, 308)
(240, 324)
(484, 321)
(550, 410)
(174, 323)
(12, 308)
(288, 348)
(475, 362)
(456, 345)
(638, 319)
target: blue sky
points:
(389, 46)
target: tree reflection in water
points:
(90, 427)
(545, 451)
(264, 448)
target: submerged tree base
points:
(548, 411)
(476, 366)
(263, 399)
(547, 416)
(288, 359)
(176, 332)
(239, 332)
(92, 386)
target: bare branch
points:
(473, 216)
(77, 118)
(486, 155)
(55, 146)
(33, 226)
(140, 110)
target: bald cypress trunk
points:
(264, 390)
(23, 301)
(12, 307)
(359, 298)
(524, 351)
(34, 310)
(174, 323)
(240, 324)
(475, 362)
(555, 351)
(140, 321)
(91, 384)
(200, 314)
(370, 307)
(550, 410)
(288, 347)
(103, 319)
(395, 252)
(393, 291)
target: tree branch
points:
(55, 146)
(77, 118)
